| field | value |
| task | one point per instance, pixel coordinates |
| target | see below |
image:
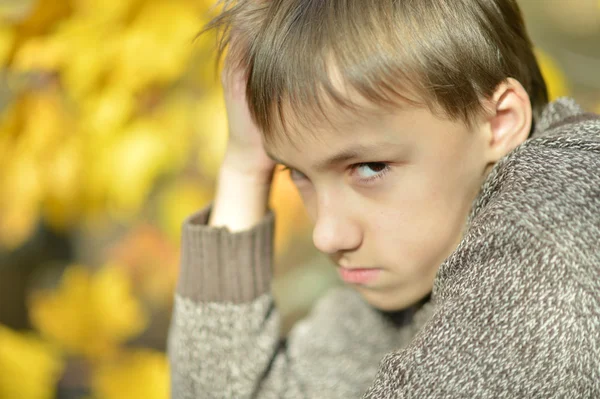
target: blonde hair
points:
(451, 54)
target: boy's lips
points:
(358, 275)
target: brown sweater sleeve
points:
(220, 266)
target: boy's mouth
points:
(358, 275)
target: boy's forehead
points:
(338, 113)
(329, 120)
(341, 135)
(336, 106)
(326, 127)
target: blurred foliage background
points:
(112, 128)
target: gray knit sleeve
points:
(225, 350)
(224, 340)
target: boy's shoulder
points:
(562, 151)
(564, 118)
(548, 187)
(554, 173)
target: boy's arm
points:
(224, 339)
(226, 251)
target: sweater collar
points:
(554, 113)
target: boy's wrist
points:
(242, 198)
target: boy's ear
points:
(510, 119)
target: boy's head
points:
(390, 113)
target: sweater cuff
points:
(220, 266)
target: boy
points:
(461, 209)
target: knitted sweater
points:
(514, 311)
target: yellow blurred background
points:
(112, 127)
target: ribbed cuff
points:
(220, 266)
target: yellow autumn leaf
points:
(152, 262)
(178, 201)
(109, 11)
(41, 15)
(161, 36)
(120, 315)
(17, 223)
(16, 10)
(21, 188)
(137, 160)
(40, 54)
(96, 185)
(91, 51)
(556, 80)
(29, 367)
(89, 314)
(174, 120)
(141, 373)
(45, 123)
(62, 177)
(105, 113)
(7, 39)
(27, 180)
(124, 78)
(21, 191)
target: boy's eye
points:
(370, 170)
(365, 172)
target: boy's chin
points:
(389, 300)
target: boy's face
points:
(389, 194)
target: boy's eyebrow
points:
(354, 152)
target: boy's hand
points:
(245, 177)
(245, 151)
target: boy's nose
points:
(334, 233)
